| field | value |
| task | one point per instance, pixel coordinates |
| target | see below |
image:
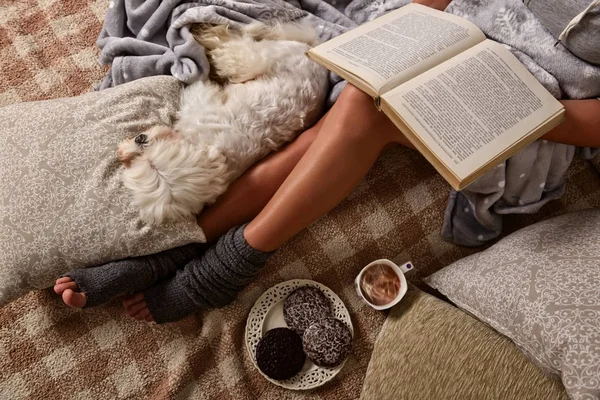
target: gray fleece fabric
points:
(180, 281)
(147, 38)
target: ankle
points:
(256, 239)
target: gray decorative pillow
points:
(62, 204)
(540, 287)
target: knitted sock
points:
(126, 277)
(210, 281)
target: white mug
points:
(399, 270)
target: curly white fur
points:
(274, 92)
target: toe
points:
(130, 301)
(136, 308)
(149, 318)
(59, 288)
(63, 279)
(142, 314)
(74, 299)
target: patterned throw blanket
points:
(47, 50)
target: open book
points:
(465, 102)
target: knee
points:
(306, 138)
(353, 99)
(361, 120)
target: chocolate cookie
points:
(327, 342)
(305, 306)
(279, 353)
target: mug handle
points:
(407, 268)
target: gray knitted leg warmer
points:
(212, 280)
(126, 277)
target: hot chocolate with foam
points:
(380, 284)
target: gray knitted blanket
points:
(145, 38)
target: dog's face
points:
(132, 148)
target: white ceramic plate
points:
(267, 314)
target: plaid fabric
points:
(50, 351)
(47, 48)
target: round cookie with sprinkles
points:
(305, 306)
(279, 353)
(327, 342)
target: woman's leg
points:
(352, 140)
(243, 201)
(349, 141)
(248, 195)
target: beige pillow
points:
(540, 287)
(429, 349)
(62, 204)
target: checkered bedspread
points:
(49, 351)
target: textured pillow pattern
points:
(540, 287)
(62, 204)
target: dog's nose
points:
(141, 139)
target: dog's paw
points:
(240, 61)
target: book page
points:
(400, 45)
(474, 107)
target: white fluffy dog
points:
(268, 93)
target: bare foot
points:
(135, 307)
(71, 295)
